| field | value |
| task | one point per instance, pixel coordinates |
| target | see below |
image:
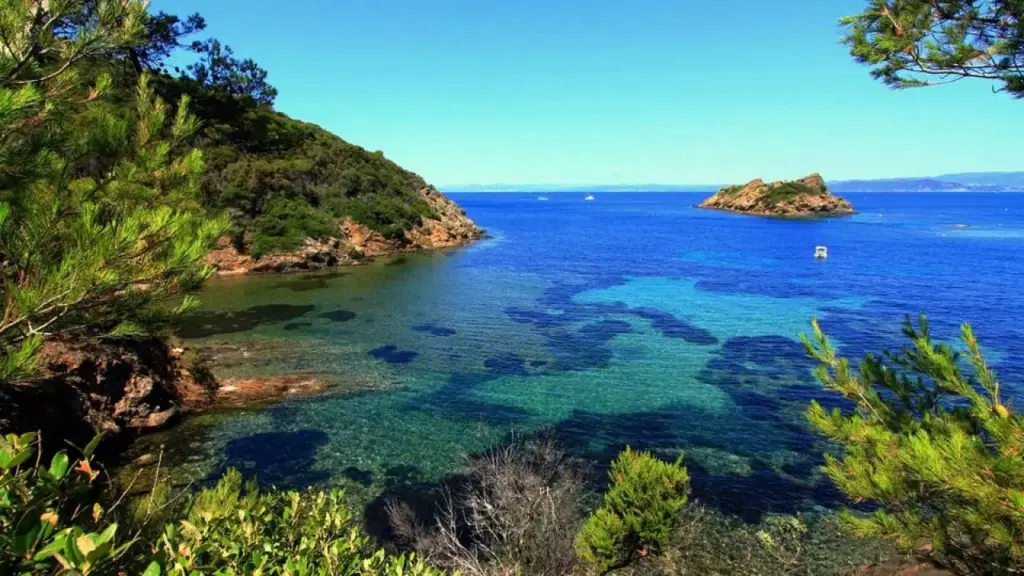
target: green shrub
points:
(639, 512)
(391, 217)
(287, 223)
(238, 529)
(47, 516)
(51, 521)
(789, 190)
(932, 442)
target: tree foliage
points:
(912, 43)
(639, 513)
(162, 37)
(219, 70)
(100, 221)
(933, 443)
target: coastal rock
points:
(119, 387)
(807, 197)
(355, 243)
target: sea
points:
(633, 319)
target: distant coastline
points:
(970, 182)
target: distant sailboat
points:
(589, 197)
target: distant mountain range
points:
(972, 182)
(967, 182)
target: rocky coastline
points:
(124, 388)
(355, 243)
(804, 198)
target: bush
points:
(51, 520)
(639, 513)
(517, 513)
(47, 516)
(287, 223)
(237, 529)
(930, 441)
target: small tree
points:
(639, 513)
(912, 43)
(930, 441)
(100, 224)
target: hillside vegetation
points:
(283, 180)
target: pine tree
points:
(101, 230)
(639, 512)
(912, 43)
(932, 442)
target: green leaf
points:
(21, 457)
(108, 534)
(152, 570)
(91, 447)
(59, 465)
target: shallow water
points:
(632, 319)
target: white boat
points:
(820, 252)
(542, 198)
(589, 197)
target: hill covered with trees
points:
(287, 185)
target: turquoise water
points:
(633, 319)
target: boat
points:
(589, 197)
(542, 198)
(820, 252)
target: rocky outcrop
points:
(356, 243)
(807, 197)
(124, 388)
(118, 387)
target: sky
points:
(609, 92)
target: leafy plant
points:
(51, 520)
(47, 516)
(931, 441)
(639, 512)
(235, 528)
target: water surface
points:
(631, 319)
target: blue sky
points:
(603, 92)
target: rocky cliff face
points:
(355, 243)
(118, 387)
(807, 197)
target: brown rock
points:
(121, 387)
(807, 197)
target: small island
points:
(807, 197)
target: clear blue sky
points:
(601, 91)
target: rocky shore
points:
(123, 388)
(804, 198)
(356, 243)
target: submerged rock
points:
(799, 198)
(246, 392)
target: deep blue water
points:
(631, 319)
